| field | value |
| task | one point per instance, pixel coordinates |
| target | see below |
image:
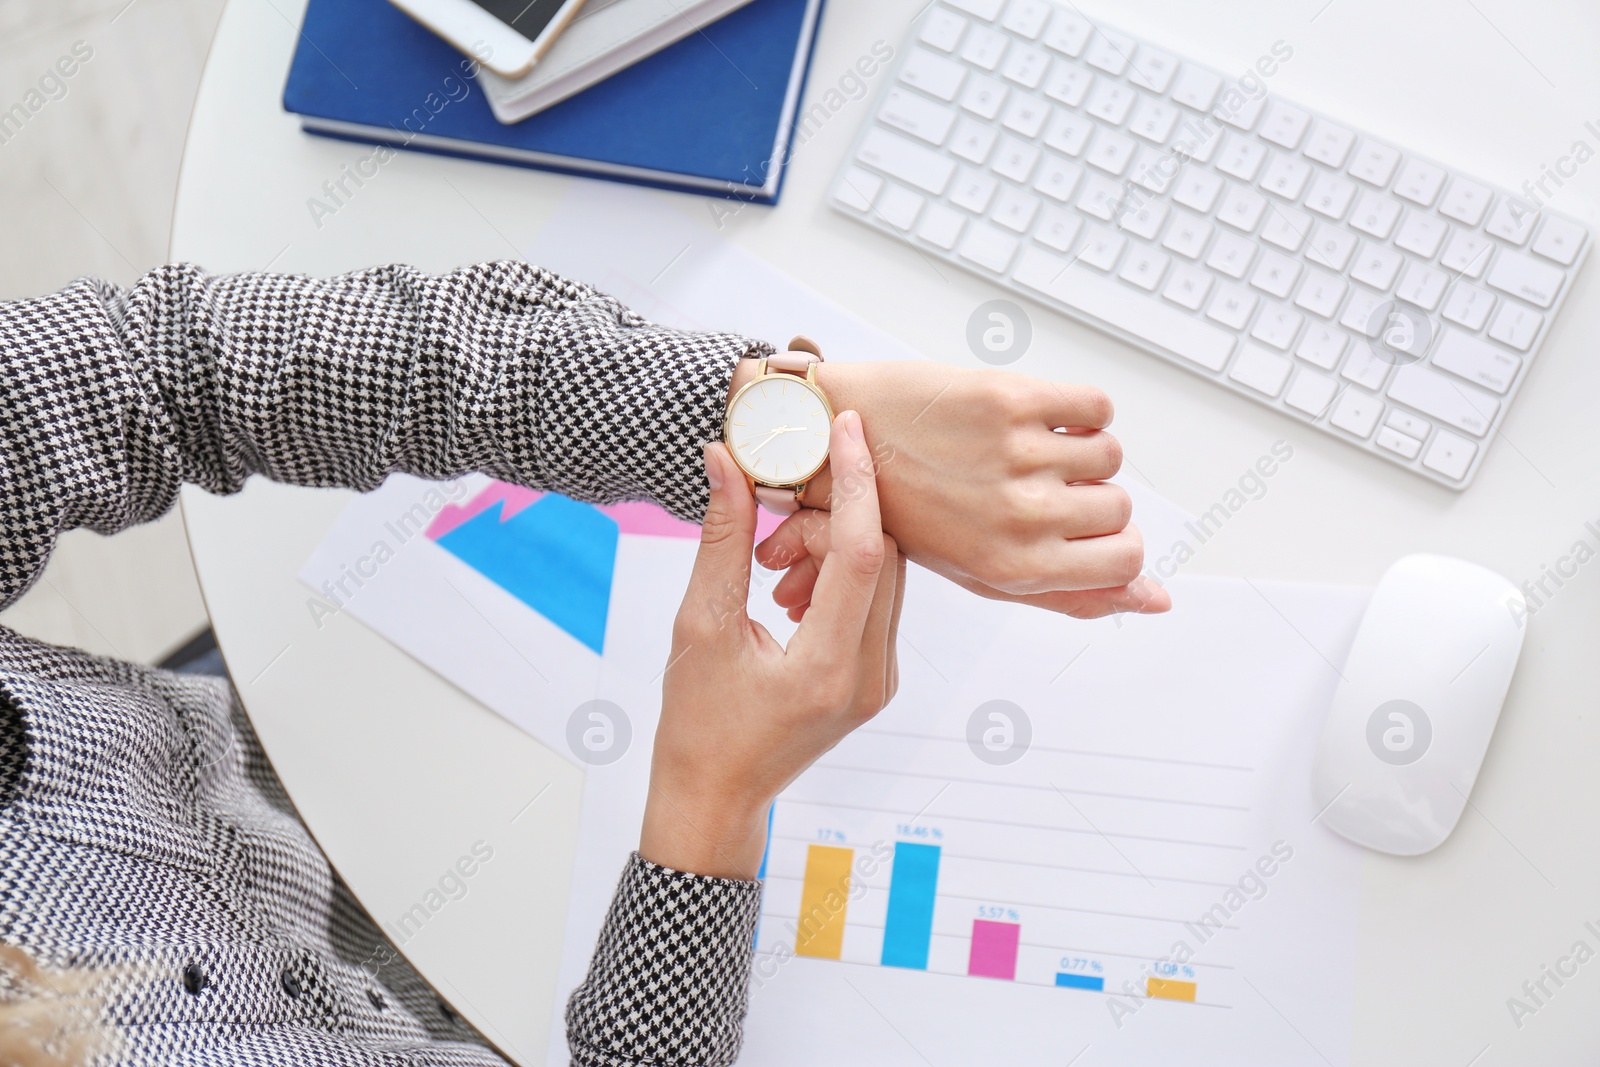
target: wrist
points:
(718, 840)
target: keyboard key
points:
(1144, 268)
(1398, 443)
(1467, 253)
(1025, 66)
(973, 140)
(1057, 177)
(858, 188)
(1322, 293)
(1329, 144)
(1511, 221)
(1231, 255)
(1110, 102)
(984, 96)
(917, 115)
(973, 190)
(1277, 326)
(1196, 88)
(1445, 398)
(1374, 163)
(1375, 214)
(1015, 210)
(1241, 208)
(1068, 33)
(1276, 274)
(1367, 312)
(1125, 309)
(984, 47)
(1285, 227)
(1330, 195)
(941, 226)
(1110, 152)
(1068, 83)
(1311, 393)
(1109, 51)
(1232, 306)
(1476, 361)
(1516, 326)
(1069, 132)
(1026, 115)
(1198, 190)
(899, 207)
(1241, 157)
(933, 74)
(1330, 247)
(1101, 198)
(907, 161)
(1241, 113)
(1421, 233)
(1286, 176)
(984, 9)
(1468, 306)
(1187, 235)
(1196, 142)
(1285, 125)
(1154, 120)
(1559, 240)
(1376, 266)
(1152, 70)
(1102, 248)
(1145, 221)
(1027, 17)
(1367, 366)
(1322, 345)
(943, 29)
(1058, 229)
(1356, 413)
(1450, 455)
(1408, 424)
(988, 247)
(1526, 278)
(1465, 201)
(1187, 287)
(1153, 170)
(1256, 368)
(1419, 182)
(1014, 160)
(1422, 286)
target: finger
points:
(832, 627)
(877, 638)
(795, 587)
(1106, 562)
(1076, 406)
(1142, 596)
(792, 540)
(1094, 510)
(720, 581)
(1087, 456)
(892, 663)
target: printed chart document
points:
(1062, 842)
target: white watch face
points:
(778, 430)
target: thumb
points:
(727, 537)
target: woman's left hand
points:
(742, 716)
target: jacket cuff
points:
(669, 981)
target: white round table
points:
(398, 774)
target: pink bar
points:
(994, 950)
(633, 517)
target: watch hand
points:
(769, 438)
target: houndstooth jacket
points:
(141, 826)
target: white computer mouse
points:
(1417, 703)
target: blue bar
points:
(909, 927)
(1081, 981)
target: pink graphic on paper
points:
(632, 517)
(994, 950)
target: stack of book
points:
(695, 95)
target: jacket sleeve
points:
(110, 399)
(668, 983)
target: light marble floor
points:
(86, 187)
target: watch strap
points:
(778, 501)
(798, 359)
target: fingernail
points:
(713, 471)
(852, 426)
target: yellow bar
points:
(1167, 989)
(823, 898)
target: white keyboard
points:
(1388, 300)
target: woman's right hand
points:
(742, 716)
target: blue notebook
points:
(713, 113)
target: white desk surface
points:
(398, 773)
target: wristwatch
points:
(777, 427)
